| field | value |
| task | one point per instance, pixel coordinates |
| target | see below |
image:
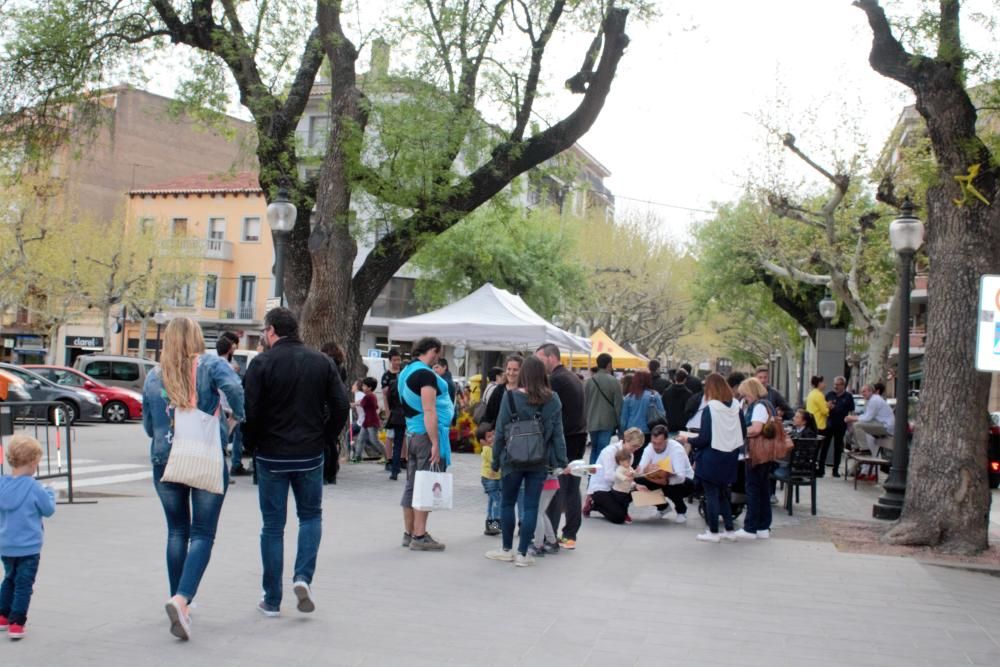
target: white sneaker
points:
(681, 518)
(180, 624)
(744, 535)
(505, 555)
(304, 595)
(708, 537)
(669, 514)
(729, 536)
(523, 561)
(763, 534)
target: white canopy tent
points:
(488, 319)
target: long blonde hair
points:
(182, 343)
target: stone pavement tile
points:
(624, 656)
(983, 657)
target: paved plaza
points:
(645, 594)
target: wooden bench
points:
(875, 462)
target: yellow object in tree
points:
(968, 189)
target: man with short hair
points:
(660, 383)
(395, 419)
(677, 485)
(841, 405)
(773, 395)
(291, 392)
(675, 399)
(877, 421)
(693, 382)
(224, 347)
(570, 391)
(428, 410)
(603, 405)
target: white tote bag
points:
(196, 449)
(432, 491)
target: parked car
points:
(114, 370)
(77, 403)
(118, 404)
(16, 393)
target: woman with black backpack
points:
(529, 442)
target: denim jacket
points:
(634, 410)
(212, 376)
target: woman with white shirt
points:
(757, 524)
(717, 450)
(677, 485)
(612, 505)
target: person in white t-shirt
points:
(677, 485)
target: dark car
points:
(119, 404)
(77, 403)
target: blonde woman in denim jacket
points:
(192, 514)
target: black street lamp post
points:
(160, 318)
(281, 215)
(906, 233)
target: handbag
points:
(195, 458)
(773, 444)
(525, 440)
(654, 415)
(432, 490)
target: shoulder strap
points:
(601, 391)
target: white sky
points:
(680, 127)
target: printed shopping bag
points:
(196, 448)
(432, 491)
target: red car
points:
(118, 404)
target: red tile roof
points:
(243, 182)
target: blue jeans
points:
(717, 502)
(18, 583)
(492, 489)
(236, 460)
(598, 441)
(272, 491)
(758, 490)
(510, 485)
(398, 438)
(192, 517)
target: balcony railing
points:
(918, 341)
(237, 311)
(202, 248)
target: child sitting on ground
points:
(23, 503)
(491, 480)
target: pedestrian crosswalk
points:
(91, 472)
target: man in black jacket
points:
(675, 398)
(291, 391)
(774, 396)
(569, 389)
(660, 383)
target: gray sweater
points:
(603, 401)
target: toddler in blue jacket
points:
(23, 503)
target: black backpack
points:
(525, 439)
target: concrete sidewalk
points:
(645, 594)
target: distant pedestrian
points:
(675, 399)
(758, 411)
(636, 407)
(819, 408)
(533, 399)
(716, 450)
(841, 405)
(23, 503)
(395, 419)
(774, 396)
(490, 478)
(603, 405)
(693, 382)
(660, 383)
(368, 438)
(569, 388)
(334, 439)
(294, 398)
(186, 378)
(508, 382)
(224, 347)
(429, 411)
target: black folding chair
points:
(800, 470)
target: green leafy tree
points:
(527, 255)
(423, 178)
(947, 495)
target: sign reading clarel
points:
(988, 331)
(85, 341)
